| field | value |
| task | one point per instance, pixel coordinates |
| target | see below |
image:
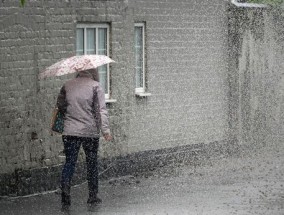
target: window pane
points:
(102, 46)
(139, 36)
(139, 58)
(103, 77)
(91, 41)
(102, 50)
(139, 77)
(80, 41)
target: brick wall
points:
(186, 69)
(186, 51)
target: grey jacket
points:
(82, 100)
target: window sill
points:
(111, 101)
(143, 94)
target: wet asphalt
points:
(251, 183)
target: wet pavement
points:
(252, 183)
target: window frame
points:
(97, 26)
(143, 88)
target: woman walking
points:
(82, 101)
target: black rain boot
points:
(65, 197)
(93, 198)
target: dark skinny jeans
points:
(72, 146)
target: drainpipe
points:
(249, 5)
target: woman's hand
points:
(107, 137)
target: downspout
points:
(248, 5)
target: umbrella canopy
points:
(75, 64)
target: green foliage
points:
(23, 2)
(270, 2)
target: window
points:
(94, 39)
(139, 43)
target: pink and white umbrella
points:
(75, 64)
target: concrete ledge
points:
(109, 101)
(143, 94)
(248, 5)
(26, 182)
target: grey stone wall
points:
(256, 75)
(186, 66)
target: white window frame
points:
(140, 90)
(96, 26)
